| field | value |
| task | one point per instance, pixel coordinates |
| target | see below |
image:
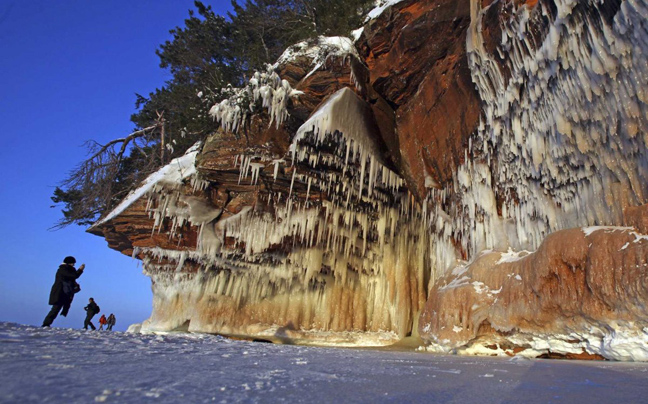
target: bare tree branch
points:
(124, 140)
(95, 185)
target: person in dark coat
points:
(111, 321)
(63, 290)
(91, 310)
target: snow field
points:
(65, 365)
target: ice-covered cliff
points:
(422, 179)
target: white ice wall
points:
(564, 131)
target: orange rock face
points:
(637, 217)
(581, 289)
(134, 229)
(416, 56)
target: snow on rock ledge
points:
(171, 175)
(318, 51)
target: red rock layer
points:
(573, 283)
(416, 54)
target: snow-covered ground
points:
(65, 366)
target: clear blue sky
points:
(69, 71)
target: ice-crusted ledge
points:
(345, 113)
(277, 334)
(172, 174)
(591, 229)
(615, 344)
(381, 6)
(318, 52)
(267, 86)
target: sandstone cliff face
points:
(416, 55)
(388, 179)
(571, 291)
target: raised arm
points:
(70, 274)
(79, 271)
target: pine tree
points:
(204, 56)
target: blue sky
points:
(69, 71)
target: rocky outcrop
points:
(416, 56)
(582, 294)
(548, 92)
(286, 231)
(359, 193)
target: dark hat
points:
(69, 260)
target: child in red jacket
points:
(102, 321)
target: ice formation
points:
(561, 144)
(318, 52)
(344, 113)
(265, 87)
(562, 141)
(564, 116)
(172, 174)
(353, 261)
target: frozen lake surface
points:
(65, 366)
